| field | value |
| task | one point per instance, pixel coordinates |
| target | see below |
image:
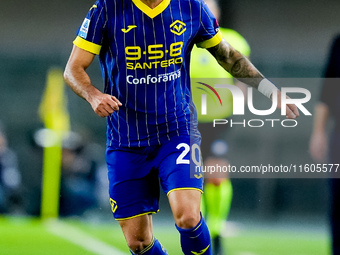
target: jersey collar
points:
(151, 12)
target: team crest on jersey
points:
(113, 205)
(178, 27)
(84, 28)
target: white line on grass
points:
(81, 239)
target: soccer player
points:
(328, 107)
(218, 191)
(144, 49)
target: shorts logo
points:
(84, 28)
(114, 205)
(198, 176)
(178, 27)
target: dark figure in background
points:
(78, 179)
(78, 183)
(329, 105)
(10, 177)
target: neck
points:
(152, 3)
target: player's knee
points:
(188, 220)
(136, 245)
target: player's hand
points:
(292, 111)
(104, 104)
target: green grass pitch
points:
(27, 236)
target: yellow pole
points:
(51, 179)
(53, 113)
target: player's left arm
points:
(242, 69)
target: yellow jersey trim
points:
(211, 42)
(86, 45)
(151, 12)
(135, 216)
(184, 189)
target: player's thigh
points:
(133, 184)
(179, 181)
(185, 206)
(180, 158)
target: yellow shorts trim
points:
(86, 45)
(211, 42)
(135, 216)
(184, 189)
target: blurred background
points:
(288, 39)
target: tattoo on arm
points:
(236, 64)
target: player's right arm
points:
(242, 69)
(78, 80)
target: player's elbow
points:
(68, 74)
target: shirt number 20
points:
(195, 154)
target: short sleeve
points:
(209, 34)
(91, 32)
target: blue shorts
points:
(135, 173)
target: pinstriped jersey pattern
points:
(145, 57)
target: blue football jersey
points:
(145, 57)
